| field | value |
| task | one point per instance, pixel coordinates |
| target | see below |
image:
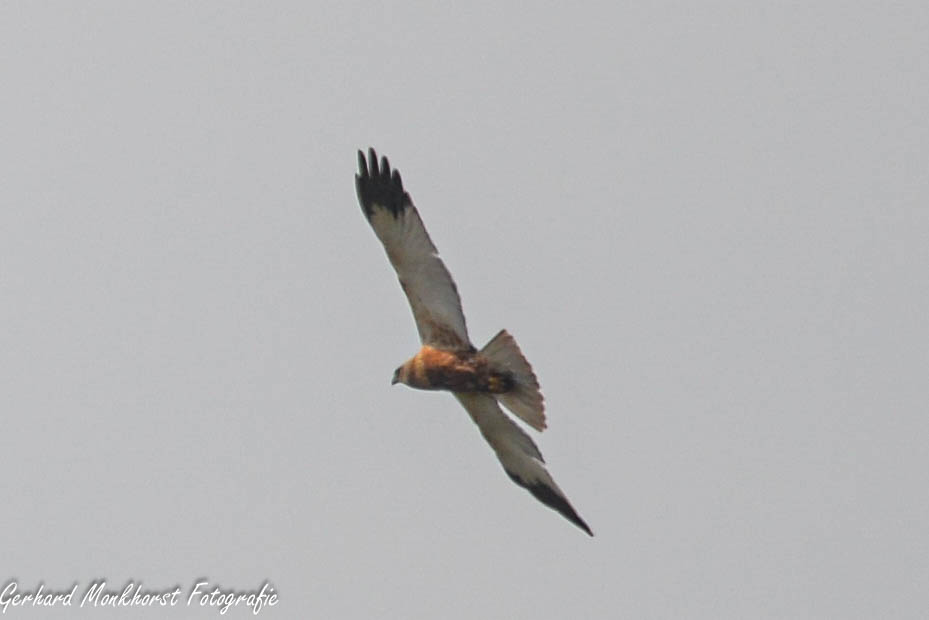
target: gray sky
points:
(705, 226)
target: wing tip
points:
(554, 500)
(378, 185)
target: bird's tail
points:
(524, 399)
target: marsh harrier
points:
(482, 379)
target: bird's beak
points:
(395, 380)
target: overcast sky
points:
(706, 227)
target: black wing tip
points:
(553, 500)
(376, 184)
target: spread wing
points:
(423, 276)
(519, 456)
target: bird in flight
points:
(482, 379)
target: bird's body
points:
(454, 371)
(482, 379)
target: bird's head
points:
(400, 375)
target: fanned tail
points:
(524, 400)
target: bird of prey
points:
(482, 379)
